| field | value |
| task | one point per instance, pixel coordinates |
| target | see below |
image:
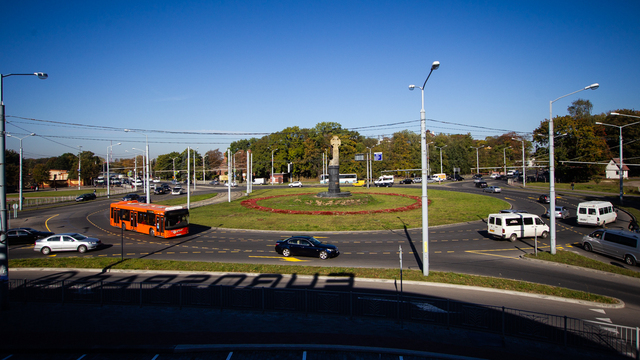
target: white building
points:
(611, 172)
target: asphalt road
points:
(463, 248)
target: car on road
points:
(492, 189)
(143, 199)
(513, 211)
(214, 182)
(130, 197)
(25, 235)
(159, 190)
(561, 212)
(544, 198)
(233, 184)
(306, 246)
(406, 181)
(620, 244)
(66, 242)
(417, 180)
(85, 197)
(177, 190)
(455, 177)
(481, 184)
(360, 183)
(295, 184)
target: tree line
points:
(581, 149)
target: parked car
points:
(561, 212)
(295, 184)
(620, 244)
(66, 242)
(406, 181)
(177, 190)
(481, 184)
(492, 189)
(306, 246)
(130, 197)
(544, 198)
(85, 197)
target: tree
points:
(580, 109)
(40, 174)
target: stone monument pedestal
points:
(334, 184)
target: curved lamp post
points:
(146, 187)
(552, 167)
(477, 158)
(4, 256)
(109, 148)
(524, 170)
(423, 157)
(24, 137)
(620, 172)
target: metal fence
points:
(560, 330)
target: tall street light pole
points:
(477, 158)
(504, 159)
(425, 200)
(203, 174)
(620, 171)
(9, 135)
(174, 168)
(147, 185)
(109, 176)
(440, 147)
(79, 166)
(428, 162)
(524, 170)
(552, 168)
(272, 178)
(4, 256)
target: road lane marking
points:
(46, 223)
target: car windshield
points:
(315, 241)
(78, 236)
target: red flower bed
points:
(253, 204)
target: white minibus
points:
(516, 225)
(596, 213)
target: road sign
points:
(377, 156)
(359, 157)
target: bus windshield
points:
(176, 219)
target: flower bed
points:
(253, 204)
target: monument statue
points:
(335, 144)
(334, 171)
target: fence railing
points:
(561, 330)
(48, 200)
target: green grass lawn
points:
(570, 258)
(446, 207)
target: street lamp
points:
(79, 166)
(440, 147)
(428, 161)
(524, 170)
(4, 259)
(146, 187)
(504, 158)
(621, 162)
(204, 179)
(174, 167)
(272, 151)
(9, 135)
(144, 171)
(477, 158)
(552, 168)
(423, 157)
(109, 148)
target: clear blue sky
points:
(238, 67)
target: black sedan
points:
(406, 181)
(25, 235)
(306, 246)
(85, 197)
(545, 199)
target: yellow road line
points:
(46, 223)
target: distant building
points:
(613, 168)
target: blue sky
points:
(247, 68)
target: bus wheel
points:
(152, 233)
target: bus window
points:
(176, 219)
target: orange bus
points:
(155, 220)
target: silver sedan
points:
(492, 189)
(66, 242)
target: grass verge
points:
(570, 258)
(415, 275)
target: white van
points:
(596, 213)
(384, 180)
(516, 225)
